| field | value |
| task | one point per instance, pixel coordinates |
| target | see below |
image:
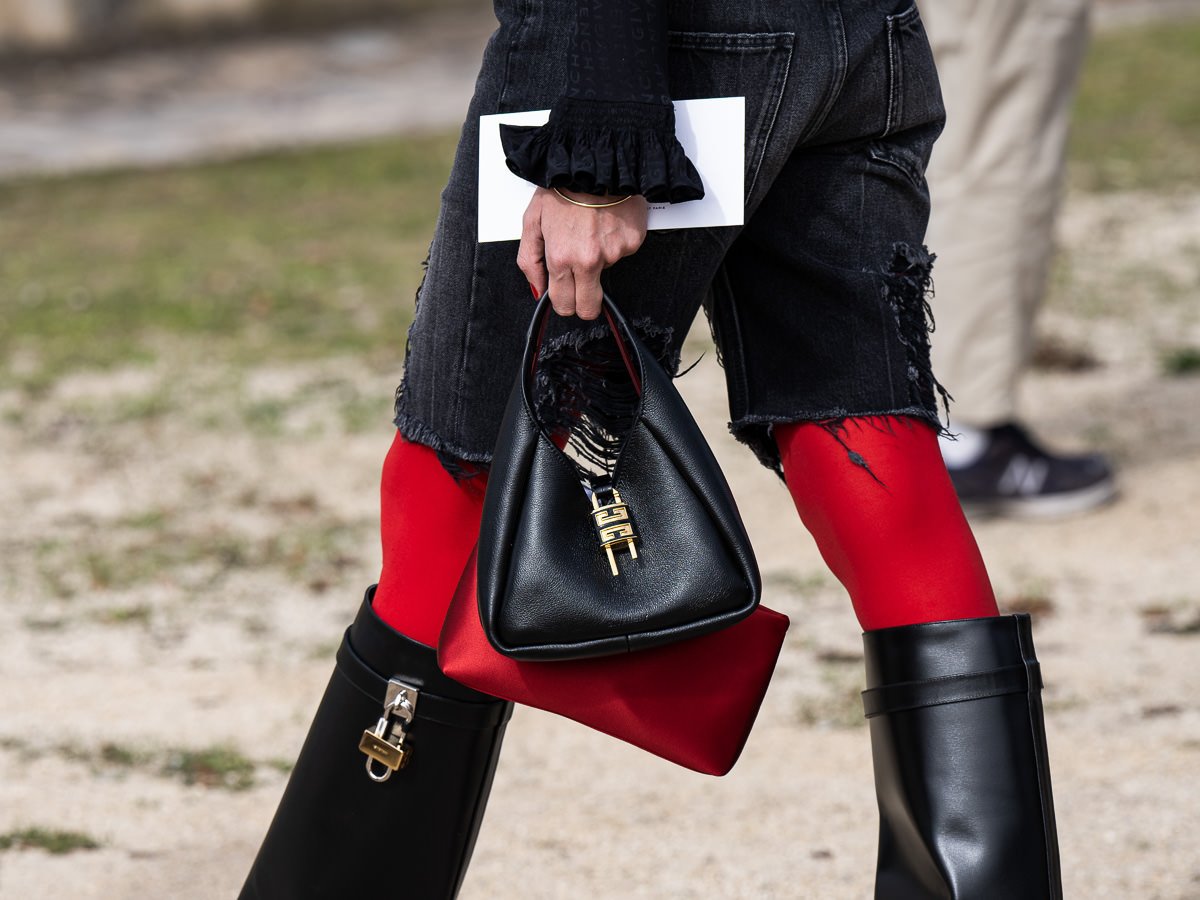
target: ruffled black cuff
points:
(599, 147)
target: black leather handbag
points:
(631, 543)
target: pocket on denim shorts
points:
(754, 66)
(914, 95)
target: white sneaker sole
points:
(1044, 506)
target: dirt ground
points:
(172, 584)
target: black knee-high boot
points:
(350, 825)
(961, 773)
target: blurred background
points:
(40, 26)
(213, 216)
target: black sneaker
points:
(1015, 477)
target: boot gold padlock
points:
(385, 742)
(375, 745)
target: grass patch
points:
(47, 839)
(216, 767)
(150, 520)
(221, 766)
(314, 552)
(1181, 361)
(121, 756)
(108, 755)
(21, 747)
(141, 614)
(1180, 618)
(1136, 121)
(285, 255)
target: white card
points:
(712, 133)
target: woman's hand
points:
(564, 247)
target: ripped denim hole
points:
(907, 287)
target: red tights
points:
(429, 524)
(895, 535)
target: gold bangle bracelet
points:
(591, 205)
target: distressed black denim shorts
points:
(817, 304)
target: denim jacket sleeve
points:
(613, 128)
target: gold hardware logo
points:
(614, 528)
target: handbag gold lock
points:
(614, 526)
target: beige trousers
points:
(1008, 70)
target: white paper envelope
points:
(712, 133)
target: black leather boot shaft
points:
(339, 834)
(961, 771)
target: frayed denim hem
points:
(756, 432)
(463, 465)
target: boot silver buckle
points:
(384, 744)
